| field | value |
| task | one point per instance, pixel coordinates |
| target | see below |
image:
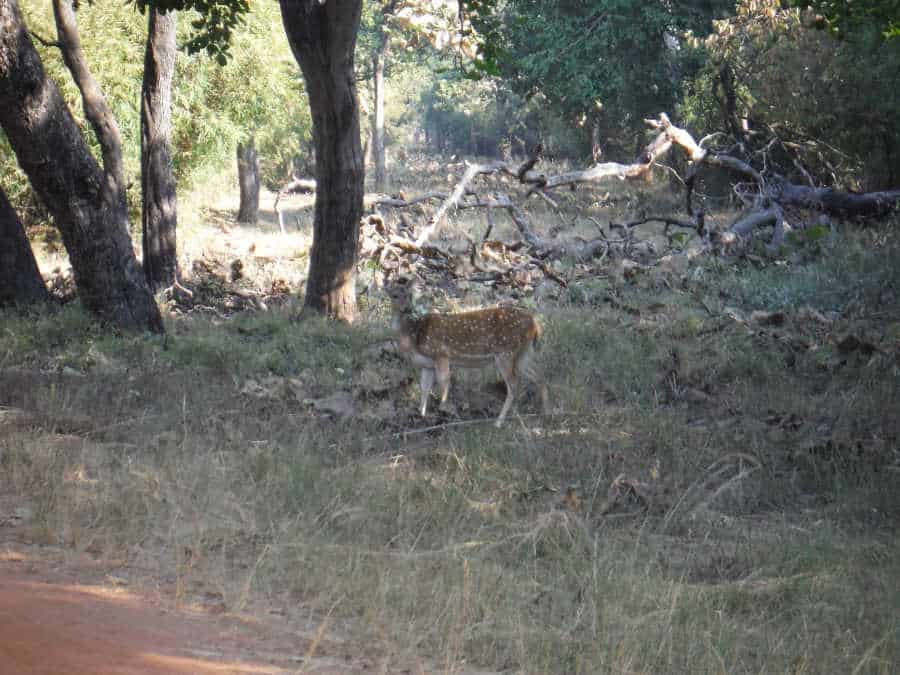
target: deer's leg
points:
(525, 366)
(507, 365)
(442, 370)
(426, 381)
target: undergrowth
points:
(710, 494)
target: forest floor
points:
(715, 491)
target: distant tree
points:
(603, 64)
(20, 278)
(87, 203)
(379, 57)
(398, 26)
(248, 181)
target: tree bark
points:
(378, 60)
(829, 200)
(20, 278)
(96, 109)
(159, 212)
(67, 178)
(596, 151)
(323, 39)
(248, 179)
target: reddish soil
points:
(60, 619)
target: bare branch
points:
(472, 171)
(44, 41)
(400, 202)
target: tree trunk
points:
(64, 174)
(596, 150)
(248, 179)
(20, 279)
(159, 213)
(95, 107)
(378, 60)
(323, 39)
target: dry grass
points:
(753, 529)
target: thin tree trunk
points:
(596, 151)
(378, 60)
(367, 151)
(95, 107)
(248, 179)
(323, 39)
(64, 174)
(20, 278)
(159, 212)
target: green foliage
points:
(846, 270)
(609, 63)
(483, 117)
(213, 27)
(259, 91)
(842, 17)
(833, 104)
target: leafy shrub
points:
(832, 103)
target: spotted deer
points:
(504, 335)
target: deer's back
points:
(476, 334)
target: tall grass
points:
(761, 536)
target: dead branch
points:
(689, 223)
(522, 224)
(834, 202)
(763, 191)
(401, 202)
(451, 201)
(294, 186)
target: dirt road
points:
(55, 619)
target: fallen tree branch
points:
(765, 192)
(834, 202)
(402, 203)
(451, 201)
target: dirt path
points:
(60, 619)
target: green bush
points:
(833, 103)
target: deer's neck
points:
(408, 321)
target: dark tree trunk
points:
(323, 39)
(728, 103)
(64, 174)
(248, 179)
(159, 213)
(20, 279)
(378, 60)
